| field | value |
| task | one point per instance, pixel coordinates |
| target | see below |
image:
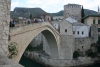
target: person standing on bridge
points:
(29, 21)
(12, 23)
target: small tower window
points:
(73, 32)
(82, 32)
(93, 21)
(78, 32)
(82, 46)
(65, 30)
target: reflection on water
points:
(95, 65)
(30, 63)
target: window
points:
(82, 46)
(93, 21)
(73, 32)
(82, 32)
(65, 30)
(98, 29)
(98, 21)
(78, 32)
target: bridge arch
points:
(25, 35)
(52, 43)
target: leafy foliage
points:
(76, 54)
(82, 14)
(31, 16)
(91, 54)
(12, 50)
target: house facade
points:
(93, 19)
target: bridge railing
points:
(21, 23)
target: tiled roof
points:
(91, 15)
(79, 24)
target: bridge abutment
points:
(4, 25)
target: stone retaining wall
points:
(48, 61)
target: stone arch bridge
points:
(25, 34)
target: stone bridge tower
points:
(67, 40)
(72, 11)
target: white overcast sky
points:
(52, 6)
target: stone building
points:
(77, 35)
(93, 19)
(80, 30)
(46, 17)
(72, 11)
(67, 40)
(56, 25)
(57, 18)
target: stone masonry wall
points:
(37, 40)
(82, 44)
(4, 25)
(67, 47)
(73, 11)
(94, 33)
(4, 32)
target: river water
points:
(30, 63)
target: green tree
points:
(91, 54)
(82, 14)
(31, 16)
(76, 54)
